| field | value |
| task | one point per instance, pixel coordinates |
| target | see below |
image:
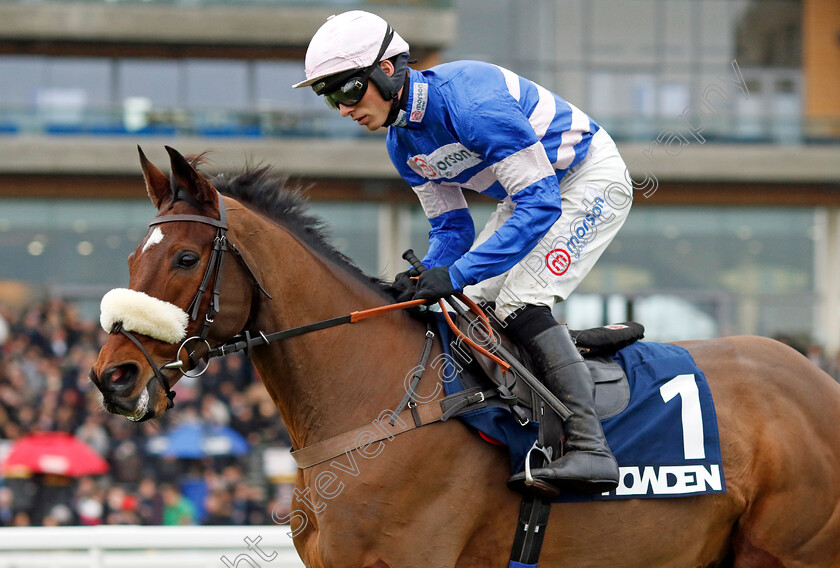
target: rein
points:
(246, 341)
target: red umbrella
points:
(54, 452)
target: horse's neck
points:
(329, 381)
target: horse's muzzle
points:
(115, 384)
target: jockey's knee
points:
(529, 321)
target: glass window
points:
(29, 73)
(491, 32)
(89, 76)
(569, 40)
(769, 33)
(677, 32)
(155, 80)
(216, 84)
(354, 230)
(273, 88)
(72, 248)
(717, 31)
(80, 247)
(750, 269)
(623, 32)
(571, 85)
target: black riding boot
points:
(588, 464)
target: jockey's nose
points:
(344, 109)
(118, 380)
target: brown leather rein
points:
(246, 341)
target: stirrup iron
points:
(546, 452)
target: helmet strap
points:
(389, 87)
(398, 104)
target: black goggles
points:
(349, 93)
(348, 88)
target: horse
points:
(436, 496)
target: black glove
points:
(404, 285)
(434, 284)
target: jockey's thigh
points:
(596, 198)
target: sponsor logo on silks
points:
(558, 261)
(583, 226)
(419, 102)
(445, 162)
(667, 480)
(615, 326)
(401, 120)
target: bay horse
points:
(436, 496)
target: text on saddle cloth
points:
(665, 440)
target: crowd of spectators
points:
(46, 353)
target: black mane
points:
(270, 194)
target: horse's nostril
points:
(119, 377)
(118, 374)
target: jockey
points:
(563, 192)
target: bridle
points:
(245, 340)
(212, 273)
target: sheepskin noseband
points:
(143, 314)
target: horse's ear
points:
(157, 184)
(188, 178)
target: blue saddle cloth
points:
(666, 440)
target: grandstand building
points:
(726, 111)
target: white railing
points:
(266, 546)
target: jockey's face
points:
(372, 111)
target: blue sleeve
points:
(491, 123)
(451, 236)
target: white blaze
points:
(154, 238)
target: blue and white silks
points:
(478, 126)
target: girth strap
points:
(527, 543)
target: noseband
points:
(244, 340)
(212, 272)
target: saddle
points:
(596, 345)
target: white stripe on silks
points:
(568, 140)
(512, 82)
(482, 180)
(143, 314)
(544, 112)
(437, 199)
(527, 166)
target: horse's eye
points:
(186, 259)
